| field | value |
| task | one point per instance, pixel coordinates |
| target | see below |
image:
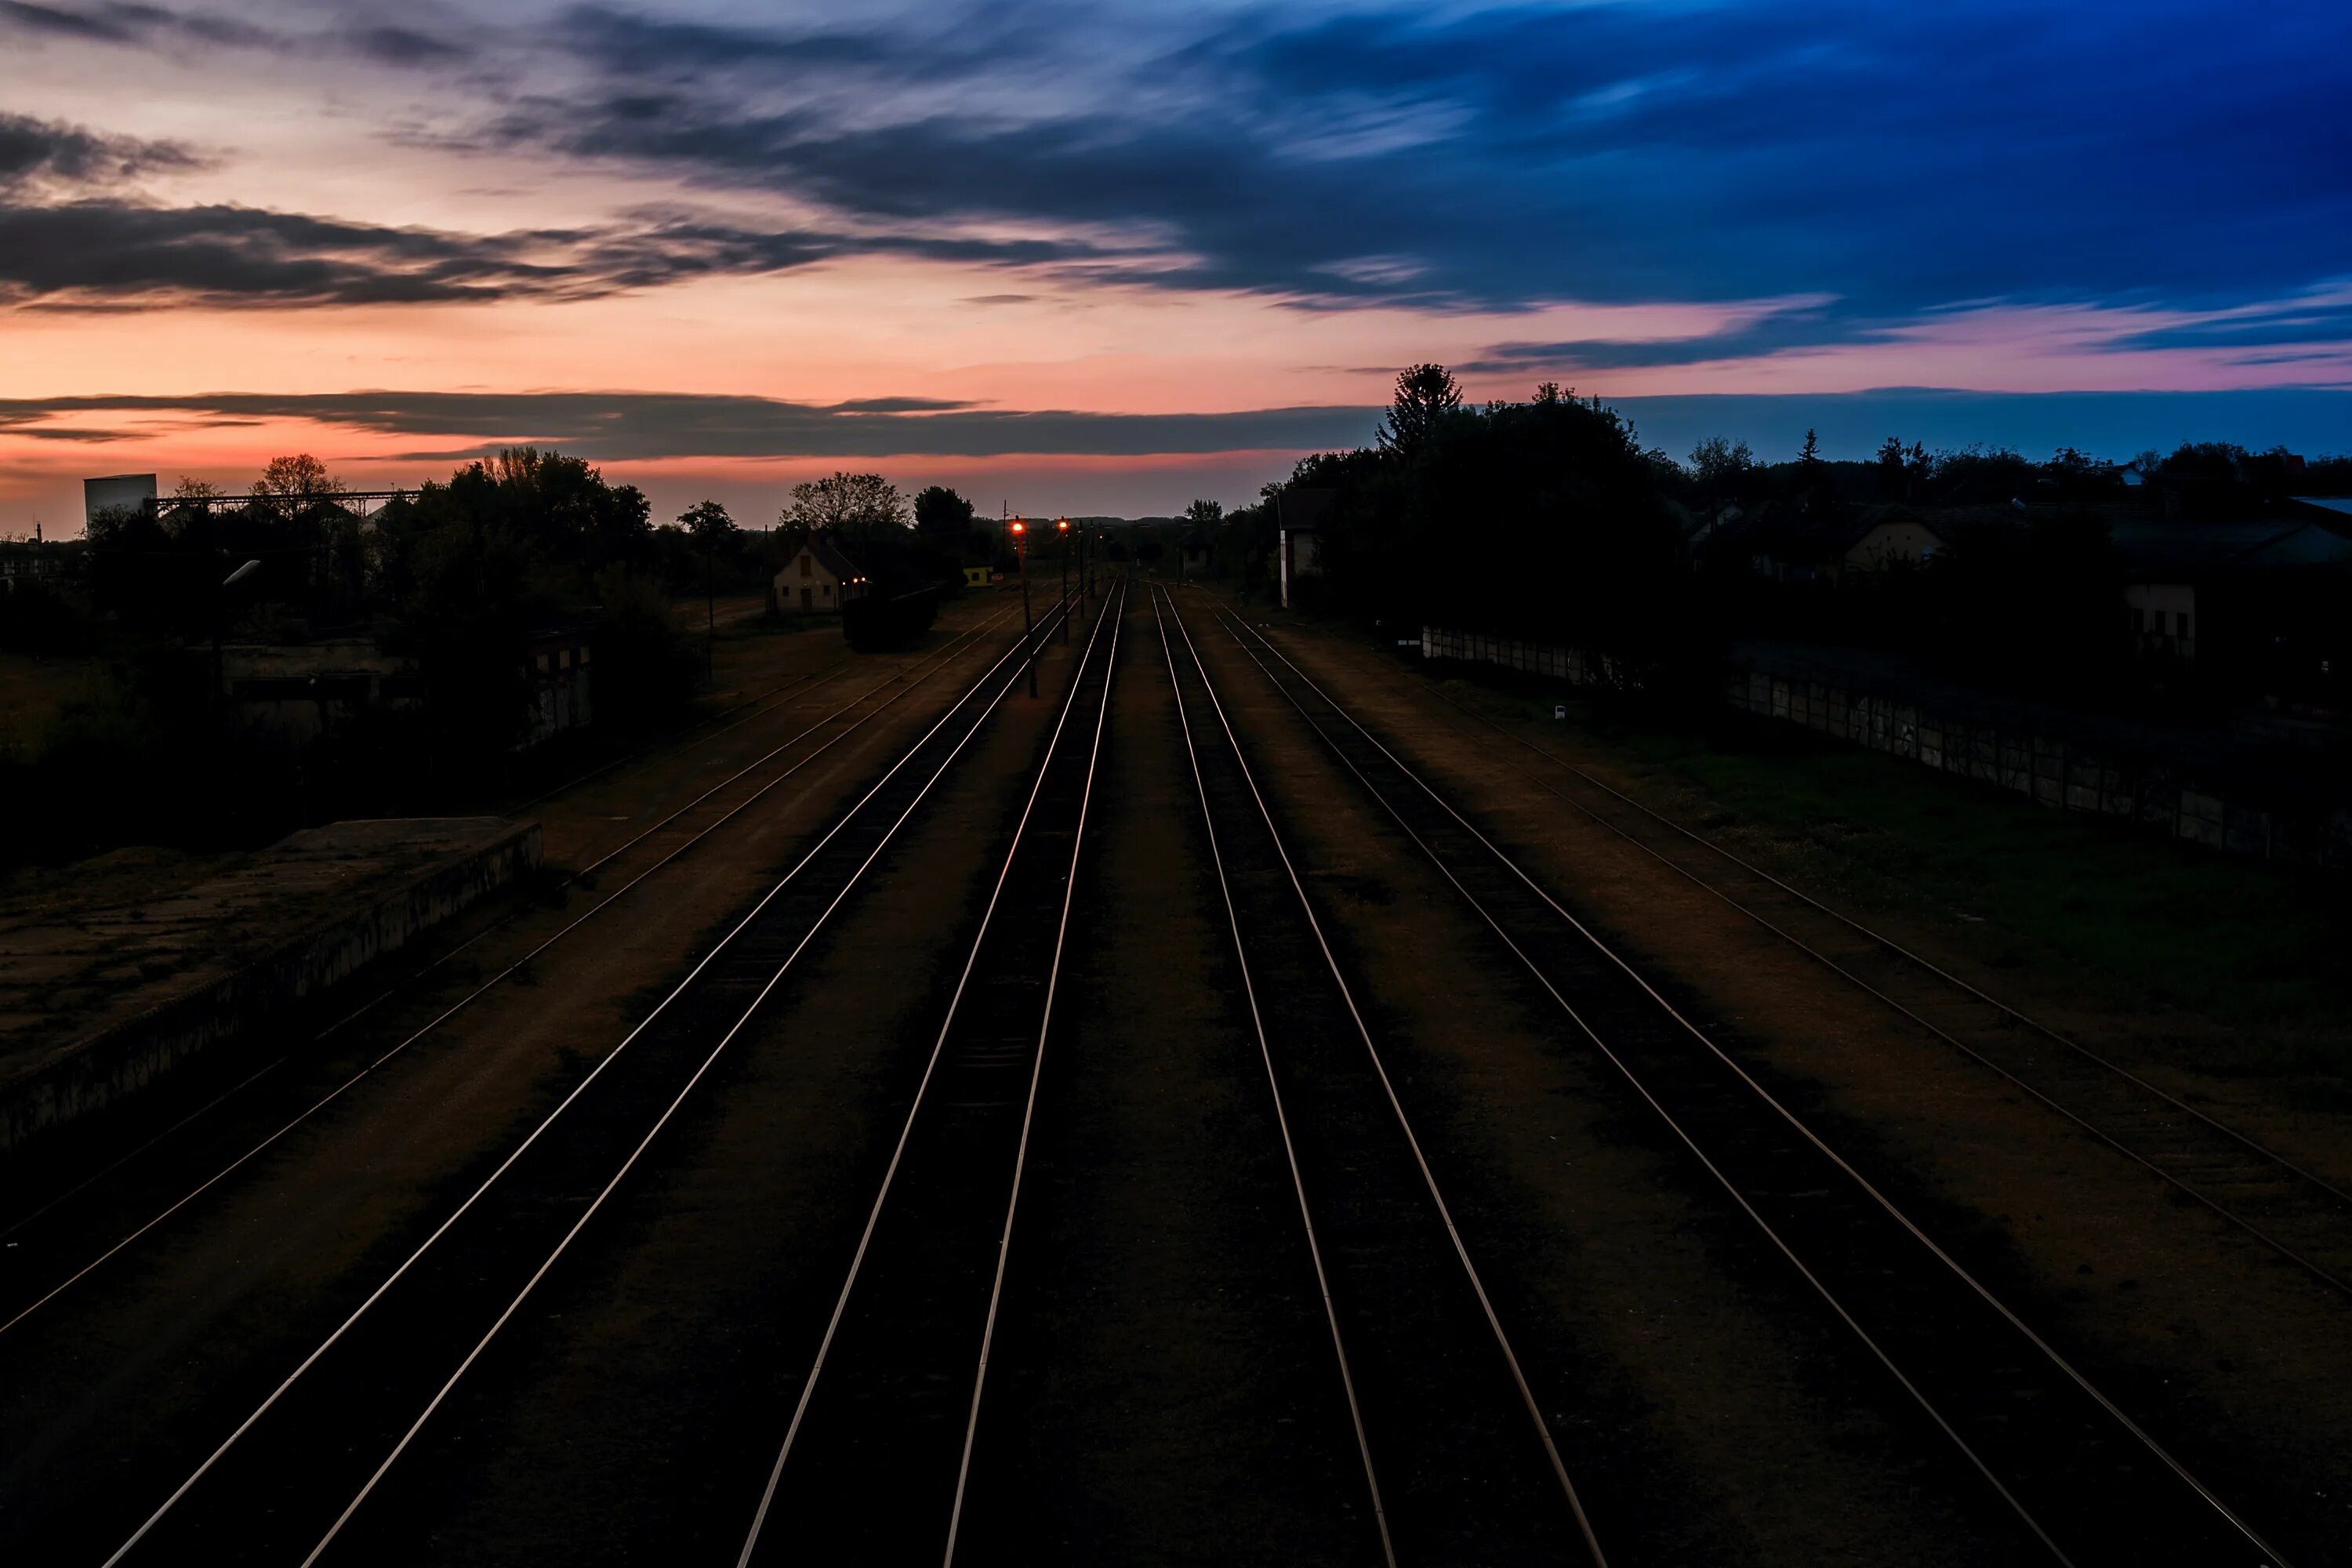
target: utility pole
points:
(1063, 527)
(1028, 627)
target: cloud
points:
(113, 254)
(1509, 155)
(159, 27)
(126, 24)
(638, 425)
(1808, 326)
(49, 155)
(1339, 153)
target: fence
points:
(1991, 742)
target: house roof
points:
(831, 556)
(2156, 550)
(1786, 533)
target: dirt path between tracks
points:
(2236, 1359)
(141, 1369)
(1706, 1408)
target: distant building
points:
(2269, 600)
(126, 492)
(1193, 556)
(37, 559)
(1300, 514)
(819, 578)
(973, 577)
(1798, 547)
(291, 693)
(559, 667)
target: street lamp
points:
(1061, 527)
(1028, 627)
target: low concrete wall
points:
(133, 1053)
(2059, 771)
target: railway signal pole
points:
(1028, 627)
(1063, 527)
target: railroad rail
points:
(692, 837)
(2078, 1475)
(1476, 1473)
(2295, 1211)
(926, 1275)
(275, 1482)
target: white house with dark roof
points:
(820, 577)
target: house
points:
(819, 577)
(36, 559)
(974, 576)
(1803, 547)
(2270, 599)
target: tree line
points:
(1552, 518)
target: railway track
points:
(669, 838)
(273, 1486)
(2277, 1202)
(892, 1402)
(2080, 1479)
(1440, 1404)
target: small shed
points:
(1301, 514)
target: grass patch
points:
(2021, 886)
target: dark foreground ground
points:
(1162, 1383)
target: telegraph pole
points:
(1061, 527)
(1028, 627)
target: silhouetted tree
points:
(1424, 394)
(294, 480)
(943, 515)
(1726, 471)
(850, 502)
(708, 522)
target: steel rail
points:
(1429, 1178)
(1116, 615)
(1234, 626)
(470, 997)
(757, 705)
(1013, 657)
(2024, 1020)
(958, 646)
(915, 1107)
(442, 1395)
(1274, 1088)
(2318, 1271)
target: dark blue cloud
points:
(619, 426)
(1898, 157)
(623, 425)
(2183, 153)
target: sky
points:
(1109, 256)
